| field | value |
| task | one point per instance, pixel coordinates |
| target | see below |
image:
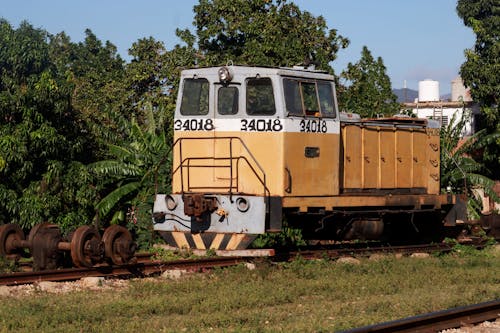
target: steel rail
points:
(140, 269)
(437, 321)
(367, 251)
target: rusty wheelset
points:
(84, 247)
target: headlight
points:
(225, 74)
(242, 204)
(171, 203)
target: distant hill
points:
(410, 95)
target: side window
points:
(195, 97)
(310, 98)
(227, 100)
(326, 101)
(260, 97)
(292, 97)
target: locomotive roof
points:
(251, 71)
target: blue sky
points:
(417, 39)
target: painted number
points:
(194, 125)
(313, 126)
(261, 125)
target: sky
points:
(417, 39)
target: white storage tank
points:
(428, 91)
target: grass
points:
(302, 296)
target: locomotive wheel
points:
(43, 241)
(10, 236)
(86, 247)
(118, 244)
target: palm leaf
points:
(115, 168)
(108, 203)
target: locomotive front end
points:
(226, 141)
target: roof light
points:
(225, 74)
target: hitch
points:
(198, 204)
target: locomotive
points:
(256, 146)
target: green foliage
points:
(286, 238)
(129, 180)
(8, 266)
(263, 32)
(368, 91)
(481, 70)
(40, 148)
(461, 172)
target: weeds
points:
(300, 296)
(8, 266)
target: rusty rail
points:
(437, 321)
(140, 269)
(367, 251)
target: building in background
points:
(429, 105)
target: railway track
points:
(141, 269)
(438, 321)
(368, 251)
(145, 266)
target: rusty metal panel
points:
(352, 168)
(365, 201)
(387, 158)
(419, 161)
(403, 159)
(370, 157)
(382, 155)
(433, 149)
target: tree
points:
(368, 90)
(40, 139)
(96, 74)
(481, 70)
(264, 32)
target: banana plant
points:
(461, 167)
(130, 176)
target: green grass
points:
(302, 296)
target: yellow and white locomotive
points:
(253, 145)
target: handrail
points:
(253, 164)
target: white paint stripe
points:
(263, 125)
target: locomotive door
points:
(312, 138)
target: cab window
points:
(326, 100)
(292, 97)
(260, 97)
(227, 100)
(310, 98)
(195, 97)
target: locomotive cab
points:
(244, 138)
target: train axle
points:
(85, 246)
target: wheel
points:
(118, 245)
(44, 239)
(86, 247)
(10, 237)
